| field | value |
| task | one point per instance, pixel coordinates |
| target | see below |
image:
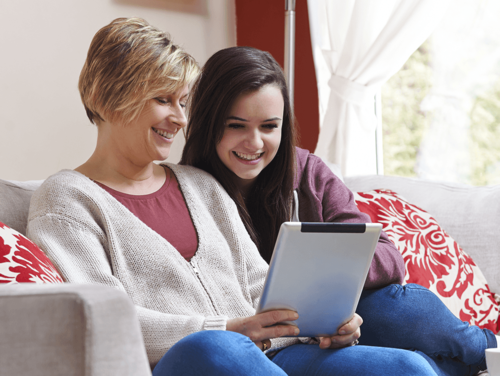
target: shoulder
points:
(302, 158)
(190, 172)
(193, 177)
(64, 184)
(65, 193)
(200, 183)
(311, 168)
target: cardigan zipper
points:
(197, 272)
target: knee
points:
(384, 299)
(414, 364)
(409, 294)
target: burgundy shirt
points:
(165, 212)
(323, 197)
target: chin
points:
(248, 176)
(162, 155)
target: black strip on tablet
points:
(333, 227)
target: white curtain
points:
(357, 46)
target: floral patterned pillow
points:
(432, 258)
(22, 261)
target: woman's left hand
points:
(346, 336)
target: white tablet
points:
(319, 270)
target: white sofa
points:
(106, 337)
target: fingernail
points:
(296, 331)
(295, 316)
(342, 332)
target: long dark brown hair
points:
(226, 75)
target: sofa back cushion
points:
(470, 215)
(15, 201)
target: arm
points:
(260, 328)
(325, 198)
(79, 252)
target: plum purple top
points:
(323, 197)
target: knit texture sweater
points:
(323, 197)
(93, 239)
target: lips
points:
(164, 134)
(248, 157)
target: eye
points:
(162, 100)
(235, 125)
(183, 105)
(270, 125)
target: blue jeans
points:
(222, 353)
(396, 318)
(412, 317)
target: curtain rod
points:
(290, 46)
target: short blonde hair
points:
(128, 63)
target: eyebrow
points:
(240, 119)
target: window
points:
(441, 111)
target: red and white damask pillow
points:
(22, 261)
(432, 258)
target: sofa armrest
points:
(69, 329)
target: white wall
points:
(43, 125)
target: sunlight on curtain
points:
(357, 46)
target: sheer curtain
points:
(357, 46)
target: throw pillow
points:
(432, 258)
(22, 261)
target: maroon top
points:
(323, 197)
(165, 212)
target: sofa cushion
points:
(15, 201)
(471, 215)
(22, 261)
(432, 258)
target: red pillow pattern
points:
(22, 261)
(432, 258)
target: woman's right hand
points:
(259, 327)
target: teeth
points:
(164, 133)
(248, 157)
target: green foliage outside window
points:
(403, 122)
(485, 137)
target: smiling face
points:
(252, 133)
(149, 137)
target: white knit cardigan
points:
(92, 238)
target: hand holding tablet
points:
(263, 326)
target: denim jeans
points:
(406, 330)
(412, 317)
(221, 353)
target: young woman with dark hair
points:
(241, 130)
(271, 194)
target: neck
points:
(244, 185)
(111, 167)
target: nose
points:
(179, 116)
(253, 140)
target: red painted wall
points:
(261, 24)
